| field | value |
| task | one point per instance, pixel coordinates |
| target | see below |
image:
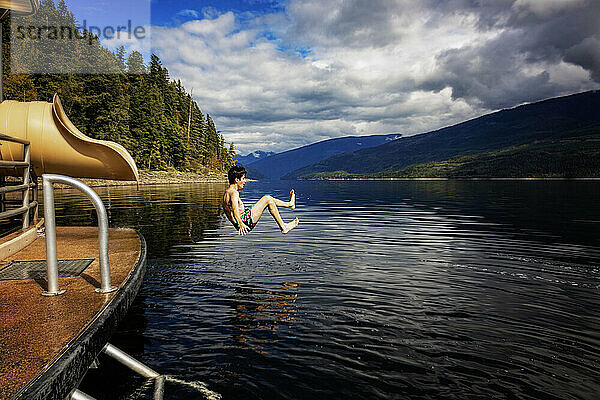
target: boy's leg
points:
(271, 203)
(289, 204)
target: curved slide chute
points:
(57, 146)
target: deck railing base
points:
(56, 293)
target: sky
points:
(279, 74)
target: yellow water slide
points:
(57, 146)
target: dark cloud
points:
(490, 14)
(348, 23)
(586, 54)
(514, 67)
(491, 76)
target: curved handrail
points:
(51, 260)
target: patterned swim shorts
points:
(246, 219)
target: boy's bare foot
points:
(290, 225)
(292, 199)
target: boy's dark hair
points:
(236, 172)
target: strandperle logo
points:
(56, 41)
(82, 32)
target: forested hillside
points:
(569, 158)
(133, 102)
(569, 121)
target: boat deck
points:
(36, 331)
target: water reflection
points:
(259, 312)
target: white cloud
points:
(210, 28)
(336, 68)
(141, 43)
(189, 13)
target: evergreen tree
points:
(135, 63)
(120, 54)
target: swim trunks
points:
(246, 219)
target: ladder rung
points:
(15, 188)
(17, 211)
(13, 164)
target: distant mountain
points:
(574, 116)
(567, 158)
(252, 157)
(277, 165)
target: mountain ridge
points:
(555, 118)
(282, 163)
(252, 157)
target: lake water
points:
(386, 290)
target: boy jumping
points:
(245, 219)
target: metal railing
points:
(48, 181)
(25, 187)
(132, 364)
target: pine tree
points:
(135, 63)
(120, 54)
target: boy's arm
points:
(237, 214)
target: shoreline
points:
(452, 179)
(155, 178)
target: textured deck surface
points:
(35, 329)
